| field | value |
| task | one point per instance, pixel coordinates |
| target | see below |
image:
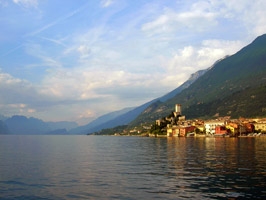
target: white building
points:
(210, 126)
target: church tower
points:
(178, 109)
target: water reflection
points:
(82, 167)
(218, 167)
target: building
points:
(220, 130)
(179, 131)
(172, 131)
(260, 126)
(178, 109)
(233, 128)
(250, 128)
(183, 131)
(210, 126)
(158, 122)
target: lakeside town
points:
(176, 125)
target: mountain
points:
(2, 117)
(57, 132)
(99, 122)
(119, 118)
(62, 125)
(26, 126)
(235, 86)
(21, 125)
(3, 128)
(193, 77)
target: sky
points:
(75, 60)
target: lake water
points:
(105, 167)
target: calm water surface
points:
(102, 167)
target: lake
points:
(106, 167)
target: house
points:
(249, 127)
(210, 126)
(233, 128)
(179, 131)
(201, 128)
(158, 122)
(220, 130)
(183, 131)
(260, 126)
(172, 131)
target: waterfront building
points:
(233, 128)
(179, 131)
(220, 130)
(210, 126)
(261, 125)
(183, 131)
(172, 131)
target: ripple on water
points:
(81, 167)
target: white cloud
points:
(202, 16)
(87, 83)
(198, 18)
(256, 17)
(248, 14)
(56, 102)
(16, 95)
(46, 58)
(189, 59)
(106, 3)
(84, 50)
(27, 3)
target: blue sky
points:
(77, 60)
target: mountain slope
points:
(228, 81)
(99, 122)
(193, 77)
(61, 125)
(244, 103)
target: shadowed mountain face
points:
(234, 86)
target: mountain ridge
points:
(22, 125)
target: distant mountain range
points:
(234, 85)
(21, 125)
